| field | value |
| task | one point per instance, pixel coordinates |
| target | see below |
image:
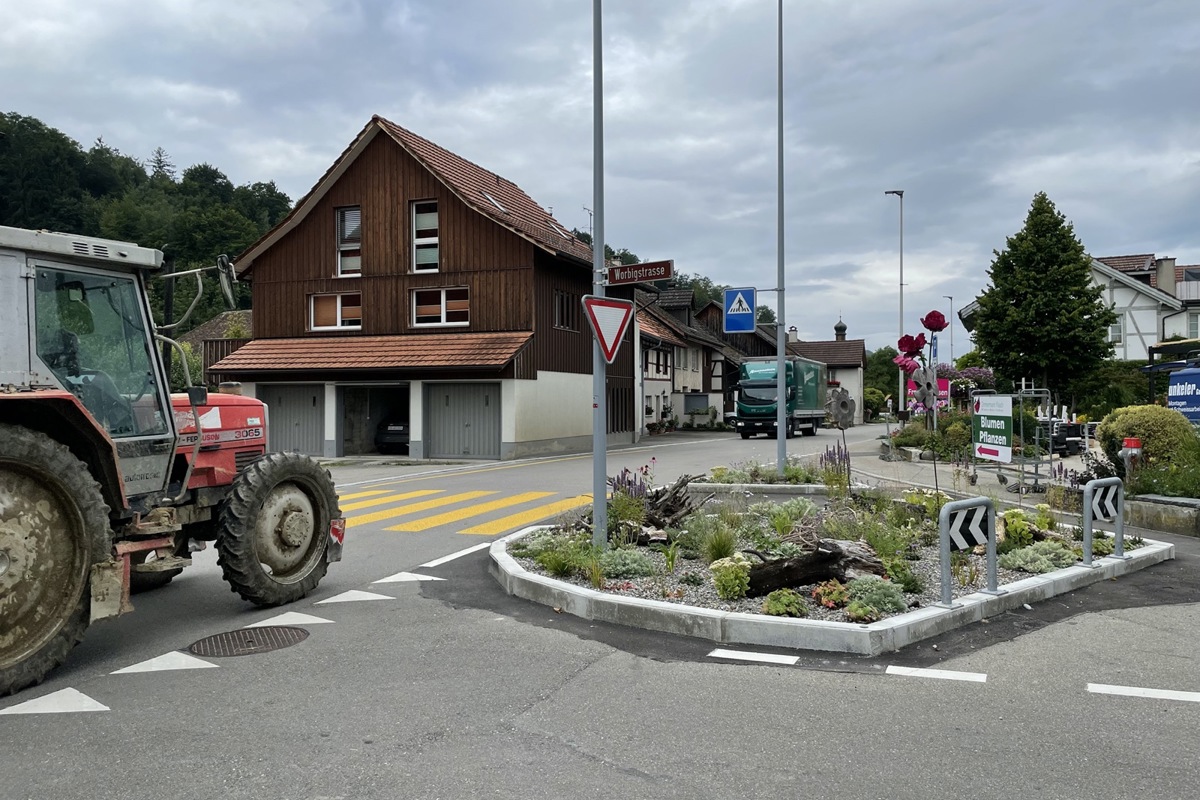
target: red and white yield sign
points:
(609, 319)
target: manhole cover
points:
(248, 641)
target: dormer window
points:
(425, 236)
(349, 241)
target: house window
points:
(441, 307)
(1115, 331)
(349, 238)
(425, 236)
(327, 312)
(566, 310)
(1193, 326)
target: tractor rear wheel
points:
(274, 529)
(53, 527)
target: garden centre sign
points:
(992, 427)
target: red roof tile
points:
(469, 181)
(655, 328)
(421, 351)
(1129, 263)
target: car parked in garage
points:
(392, 435)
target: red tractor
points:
(108, 483)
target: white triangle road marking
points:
(405, 577)
(352, 596)
(173, 660)
(64, 701)
(290, 618)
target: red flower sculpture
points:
(911, 346)
(907, 363)
(934, 321)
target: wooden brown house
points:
(411, 287)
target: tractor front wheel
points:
(53, 527)
(274, 529)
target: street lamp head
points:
(898, 192)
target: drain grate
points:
(248, 641)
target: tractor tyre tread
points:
(59, 464)
(236, 554)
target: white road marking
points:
(64, 701)
(942, 674)
(437, 562)
(405, 577)
(169, 661)
(1137, 691)
(765, 658)
(290, 618)
(352, 596)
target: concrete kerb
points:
(726, 627)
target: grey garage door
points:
(297, 417)
(463, 420)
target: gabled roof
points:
(1157, 295)
(833, 353)
(507, 205)
(413, 351)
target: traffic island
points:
(733, 627)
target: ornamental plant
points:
(877, 593)
(731, 576)
(785, 603)
(831, 594)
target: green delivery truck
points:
(756, 392)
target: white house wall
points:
(1139, 317)
(550, 415)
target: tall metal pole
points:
(780, 334)
(902, 395)
(950, 322)
(599, 371)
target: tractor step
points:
(162, 564)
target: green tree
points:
(881, 372)
(1041, 317)
(764, 315)
(971, 358)
(703, 289)
(622, 256)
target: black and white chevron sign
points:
(968, 528)
(1104, 502)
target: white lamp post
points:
(950, 321)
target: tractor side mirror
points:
(198, 395)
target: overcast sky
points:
(969, 107)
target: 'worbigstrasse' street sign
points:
(641, 273)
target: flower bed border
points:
(726, 627)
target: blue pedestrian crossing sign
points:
(739, 310)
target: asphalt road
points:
(451, 689)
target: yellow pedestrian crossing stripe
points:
(390, 505)
(470, 511)
(391, 498)
(357, 495)
(413, 508)
(523, 518)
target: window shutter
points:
(350, 226)
(324, 311)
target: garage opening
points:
(375, 419)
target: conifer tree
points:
(1041, 317)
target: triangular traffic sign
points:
(609, 319)
(739, 305)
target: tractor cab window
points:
(92, 335)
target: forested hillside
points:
(48, 181)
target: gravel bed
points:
(669, 588)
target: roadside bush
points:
(625, 564)
(877, 593)
(911, 435)
(785, 603)
(1165, 433)
(731, 576)
(1179, 477)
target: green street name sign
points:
(991, 427)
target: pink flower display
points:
(911, 345)
(907, 363)
(934, 321)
